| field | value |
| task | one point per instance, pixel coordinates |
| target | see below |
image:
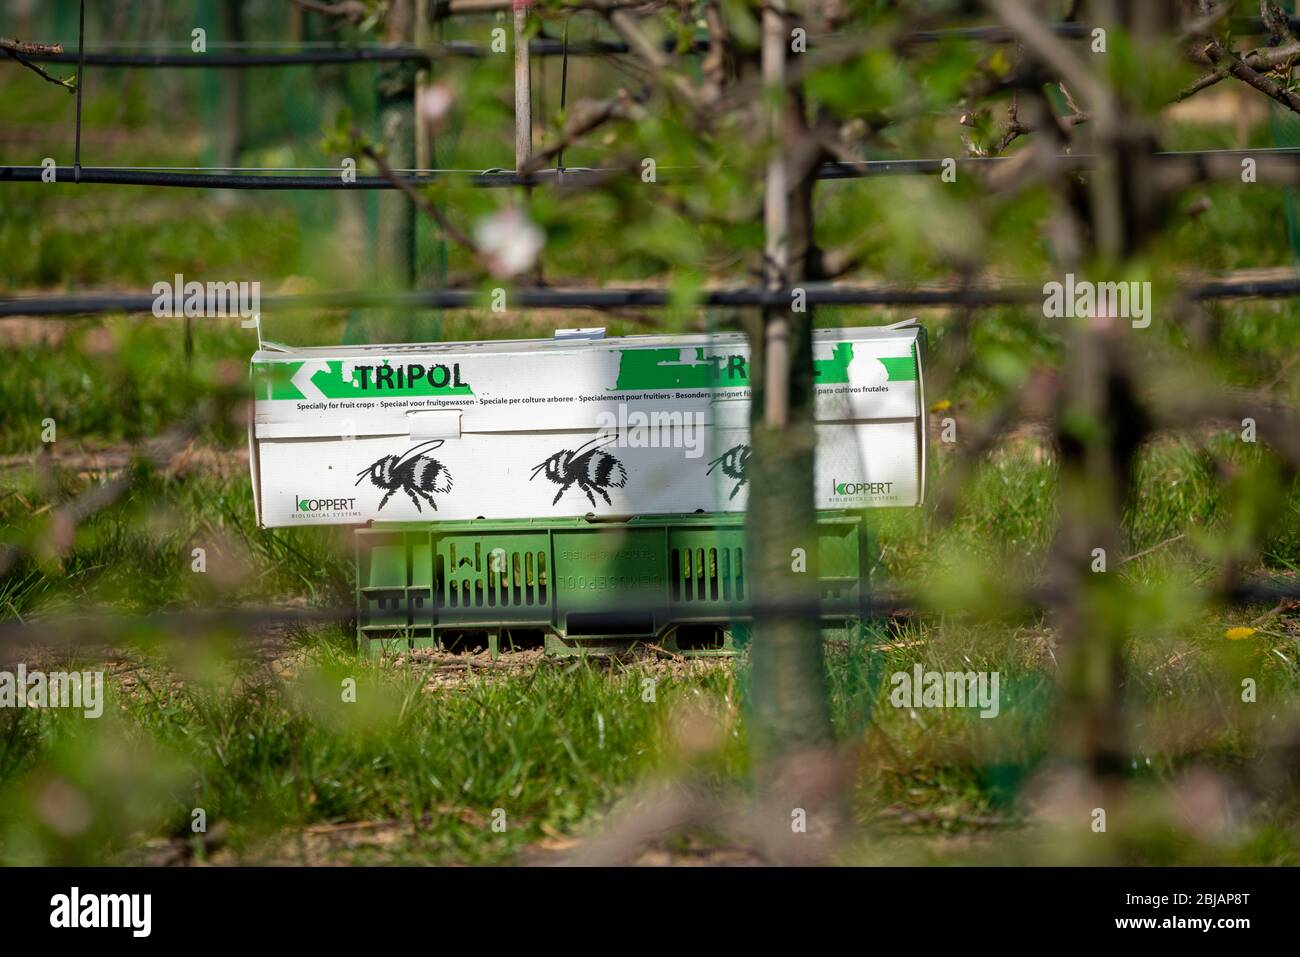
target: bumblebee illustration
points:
(592, 470)
(735, 464)
(415, 474)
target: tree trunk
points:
(230, 129)
(790, 711)
(395, 246)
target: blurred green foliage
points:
(268, 749)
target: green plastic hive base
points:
(573, 586)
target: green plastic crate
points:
(577, 586)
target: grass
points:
(266, 753)
(267, 745)
(273, 754)
(285, 770)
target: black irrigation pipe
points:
(576, 176)
(528, 298)
(461, 49)
(84, 631)
(488, 179)
(193, 180)
(540, 46)
(549, 298)
(240, 60)
(468, 49)
(1244, 289)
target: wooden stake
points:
(523, 89)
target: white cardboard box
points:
(569, 426)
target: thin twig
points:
(1147, 551)
(418, 199)
(15, 49)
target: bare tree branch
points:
(415, 196)
(587, 115)
(15, 50)
(1052, 50)
(10, 45)
(664, 65)
(1280, 54)
(1215, 53)
(354, 11)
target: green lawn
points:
(261, 738)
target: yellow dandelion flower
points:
(943, 405)
(1238, 633)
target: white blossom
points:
(509, 241)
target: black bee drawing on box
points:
(589, 467)
(418, 475)
(592, 470)
(735, 465)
